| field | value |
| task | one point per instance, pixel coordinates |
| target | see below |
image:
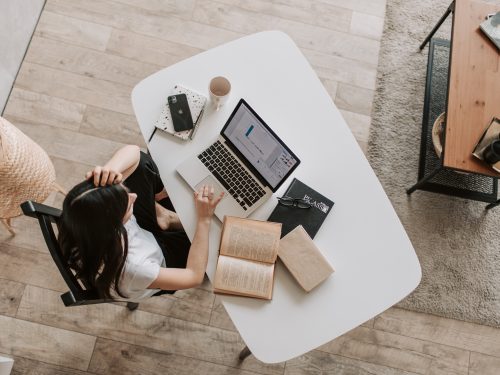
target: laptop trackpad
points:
(210, 180)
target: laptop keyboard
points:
(226, 168)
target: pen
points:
(191, 136)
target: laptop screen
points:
(262, 148)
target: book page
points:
(239, 276)
(250, 239)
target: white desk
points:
(363, 238)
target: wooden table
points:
(375, 264)
(472, 100)
(474, 86)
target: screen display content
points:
(262, 149)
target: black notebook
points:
(310, 218)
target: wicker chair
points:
(26, 172)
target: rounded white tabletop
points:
(375, 263)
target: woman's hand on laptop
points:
(206, 202)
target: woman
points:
(120, 234)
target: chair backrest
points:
(46, 216)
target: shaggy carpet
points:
(456, 240)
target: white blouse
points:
(142, 265)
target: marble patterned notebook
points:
(196, 103)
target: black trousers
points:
(145, 182)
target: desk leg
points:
(132, 305)
(244, 353)
(423, 180)
(450, 9)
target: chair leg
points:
(244, 353)
(60, 189)
(6, 222)
(494, 204)
(132, 306)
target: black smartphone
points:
(179, 110)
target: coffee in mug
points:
(219, 89)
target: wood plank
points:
(367, 25)
(354, 99)
(364, 147)
(111, 357)
(181, 9)
(87, 62)
(474, 86)
(220, 318)
(45, 109)
(72, 30)
(130, 18)
(306, 36)
(401, 352)
(10, 296)
(340, 69)
(108, 124)
(468, 336)
(60, 347)
(331, 87)
(374, 7)
(25, 366)
(316, 362)
(30, 267)
(481, 364)
(28, 234)
(141, 328)
(317, 13)
(69, 173)
(65, 144)
(148, 49)
(75, 87)
(194, 305)
(358, 123)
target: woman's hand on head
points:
(206, 202)
(103, 176)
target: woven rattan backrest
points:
(26, 171)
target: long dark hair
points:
(92, 236)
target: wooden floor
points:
(72, 96)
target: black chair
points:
(77, 294)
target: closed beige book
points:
(303, 259)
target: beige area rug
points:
(457, 241)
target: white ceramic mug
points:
(219, 89)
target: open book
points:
(247, 256)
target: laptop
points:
(248, 161)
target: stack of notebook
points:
(196, 103)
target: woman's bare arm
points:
(192, 275)
(121, 165)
